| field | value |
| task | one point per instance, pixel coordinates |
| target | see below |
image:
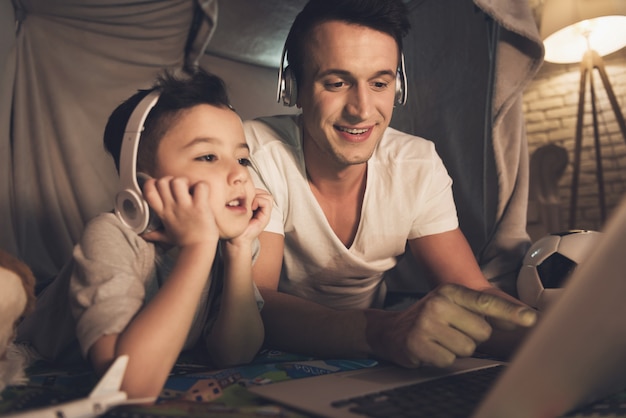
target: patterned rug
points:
(191, 390)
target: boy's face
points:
(347, 91)
(207, 143)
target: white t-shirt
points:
(408, 195)
(112, 275)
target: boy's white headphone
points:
(287, 91)
(130, 206)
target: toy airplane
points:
(103, 397)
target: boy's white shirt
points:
(104, 287)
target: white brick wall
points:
(550, 109)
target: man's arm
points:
(448, 323)
(297, 325)
(448, 258)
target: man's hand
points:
(450, 322)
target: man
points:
(351, 193)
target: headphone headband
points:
(130, 207)
(287, 90)
(280, 91)
(401, 91)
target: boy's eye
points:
(208, 157)
(245, 162)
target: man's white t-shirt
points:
(408, 195)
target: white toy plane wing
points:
(103, 397)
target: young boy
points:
(185, 285)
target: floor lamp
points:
(584, 31)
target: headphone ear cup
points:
(400, 89)
(132, 210)
(289, 88)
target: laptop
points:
(575, 355)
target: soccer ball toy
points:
(549, 262)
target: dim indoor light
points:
(584, 31)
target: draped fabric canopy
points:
(66, 64)
(468, 64)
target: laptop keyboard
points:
(456, 396)
(612, 406)
(448, 397)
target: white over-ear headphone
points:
(287, 91)
(130, 207)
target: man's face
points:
(207, 143)
(347, 91)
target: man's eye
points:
(335, 85)
(380, 85)
(208, 157)
(245, 162)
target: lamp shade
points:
(570, 27)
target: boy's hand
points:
(261, 209)
(184, 211)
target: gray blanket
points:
(467, 64)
